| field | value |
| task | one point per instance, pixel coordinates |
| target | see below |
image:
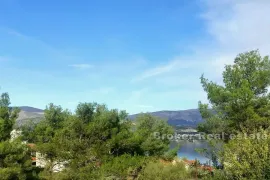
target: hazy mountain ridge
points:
(28, 113)
(31, 109)
(190, 117)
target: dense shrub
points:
(159, 171)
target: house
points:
(38, 159)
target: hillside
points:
(29, 114)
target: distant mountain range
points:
(31, 109)
(189, 118)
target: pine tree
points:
(15, 159)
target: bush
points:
(122, 167)
(248, 158)
(159, 171)
(218, 175)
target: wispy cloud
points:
(81, 66)
(156, 71)
(176, 64)
(242, 26)
(15, 33)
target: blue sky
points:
(134, 55)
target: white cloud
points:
(234, 26)
(241, 26)
(81, 66)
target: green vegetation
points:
(100, 143)
(158, 171)
(95, 143)
(243, 101)
(241, 106)
(248, 158)
(15, 161)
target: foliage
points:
(146, 126)
(7, 117)
(171, 154)
(248, 158)
(243, 101)
(15, 160)
(158, 171)
(240, 106)
(27, 131)
(96, 141)
(218, 175)
(123, 166)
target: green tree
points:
(240, 105)
(47, 139)
(55, 115)
(85, 111)
(93, 135)
(243, 100)
(97, 142)
(147, 126)
(15, 160)
(8, 117)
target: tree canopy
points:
(15, 161)
(93, 136)
(242, 101)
